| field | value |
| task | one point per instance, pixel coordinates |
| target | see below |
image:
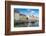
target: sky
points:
(27, 12)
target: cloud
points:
(32, 12)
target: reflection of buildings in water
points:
(32, 20)
(23, 18)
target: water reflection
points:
(27, 24)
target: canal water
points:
(29, 24)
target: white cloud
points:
(32, 12)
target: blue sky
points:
(27, 11)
